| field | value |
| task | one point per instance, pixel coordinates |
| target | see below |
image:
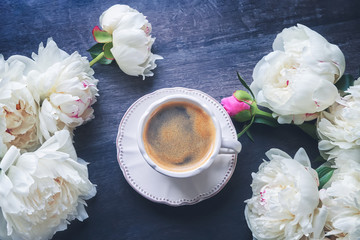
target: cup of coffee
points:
(179, 136)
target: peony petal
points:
(110, 18)
(131, 20)
(318, 223)
(20, 179)
(10, 157)
(3, 228)
(130, 59)
(27, 162)
(6, 185)
(81, 213)
(302, 157)
(29, 63)
(276, 152)
(48, 119)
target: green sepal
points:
(107, 52)
(325, 173)
(243, 116)
(96, 50)
(345, 82)
(242, 95)
(101, 36)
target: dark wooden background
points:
(204, 43)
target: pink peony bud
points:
(235, 106)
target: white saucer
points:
(160, 188)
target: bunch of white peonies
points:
(43, 185)
(286, 202)
(296, 81)
(339, 132)
(131, 40)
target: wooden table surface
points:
(203, 44)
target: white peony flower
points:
(296, 80)
(42, 191)
(341, 196)
(63, 85)
(285, 199)
(339, 126)
(19, 125)
(132, 41)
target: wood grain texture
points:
(204, 43)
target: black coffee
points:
(179, 136)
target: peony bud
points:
(237, 107)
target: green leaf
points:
(245, 84)
(248, 133)
(324, 173)
(345, 82)
(96, 50)
(266, 121)
(325, 178)
(107, 52)
(310, 129)
(101, 36)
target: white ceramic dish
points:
(156, 186)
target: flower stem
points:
(246, 127)
(100, 56)
(263, 113)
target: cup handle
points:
(230, 146)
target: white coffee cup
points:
(220, 146)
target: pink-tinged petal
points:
(80, 101)
(234, 106)
(85, 84)
(75, 114)
(311, 116)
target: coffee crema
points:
(179, 136)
